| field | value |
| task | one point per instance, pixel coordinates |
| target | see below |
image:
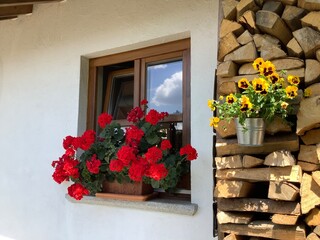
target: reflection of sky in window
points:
(164, 87)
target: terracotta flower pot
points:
(136, 188)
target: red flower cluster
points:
(104, 119)
(77, 191)
(84, 142)
(65, 168)
(153, 155)
(165, 145)
(93, 164)
(135, 115)
(189, 151)
(153, 116)
(133, 136)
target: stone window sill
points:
(157, 205)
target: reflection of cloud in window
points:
(159, 66)
(170, 91)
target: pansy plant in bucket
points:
(266, 96)
(141, 152)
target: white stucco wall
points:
(39, 98)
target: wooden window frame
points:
(141, 57)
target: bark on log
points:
(292, 16)
(229, 9)
(227, 69)
(245, 38)
(306, 119)
(246, 53)
(294, 49)
(312, 74)
(311, 20)
(309, 40)
(227, 44)
(310, 5)
(228, 26)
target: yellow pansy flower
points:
(245, 104)
(257, 63)
(284, 105)
(260, 85)
(231, 98)
(243, 83)
(294, 80)
(307, 92)
(274, 78)
(214, 121)
(211, 104)
(267, 68)
(291, 91)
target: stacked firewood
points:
(271, 191)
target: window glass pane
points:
(121, 99)
(164, 86)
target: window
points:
(160, 74)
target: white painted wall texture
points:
(39, 105)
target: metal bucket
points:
(251, 133)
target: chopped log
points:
(248, 20)
(309, 192)
(283, 191)
(308, 167)
(277, 125)
(245, 38)
(258, 205)
(280, 158)
(309, 40)
(284, 219)
(288, 63)
(315, 89)
(234, 217)
(272, 24)
(312, 74)
(228, 26)
(290, 174)
(246, 53)
(250, 162)
(270, 51)
(310, 5)
(226, 87)
(229, 162)
(300, 72)
(311, 20)
(245, 5)
(294, 49)
(313, 236)
(229, 9)
(227, 44)
(309, 153)
(258, 38)
(289, 2)
(237, 78)
(232, 236)
(306, 119)
(232, 189)
(313, 217)
(292, 15)
(247, 69)
(316, 177)
(316, 230)
(266, 229)
(318, 55)
(273, 6)
(289, 142)
(227, 69)
(312, 136)
(226, 129)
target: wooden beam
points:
(24, 2)
(15, 10)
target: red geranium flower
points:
(77, 191)
(189, 151)
(153, 155)
(165, 144)
(157, 171)
(153, 117)
(87, 139)
(133, 136)
(93, 164)
(126, 154)
(116, 165)
(144, 102)
(104, 119)
(136, 172)
(135, 114)
(67, 142)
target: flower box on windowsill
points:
(137, 191)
